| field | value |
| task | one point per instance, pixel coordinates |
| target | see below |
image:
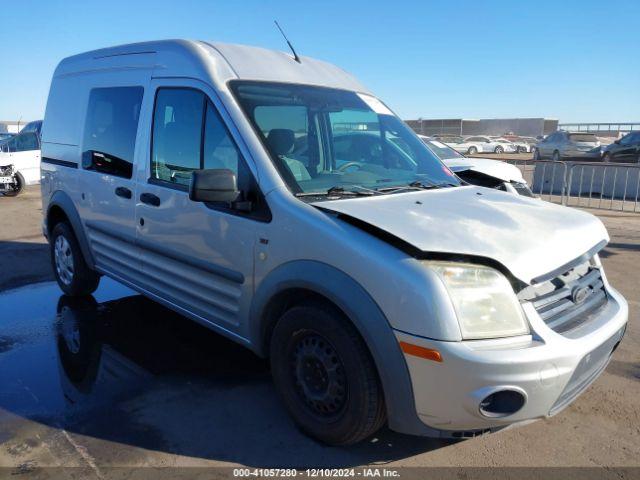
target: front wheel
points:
(472, 150)
(17, 187)
(606, 158)
(72, 273)
(325, 376)
(499, 150)
(556, 156)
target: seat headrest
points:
(280, 140)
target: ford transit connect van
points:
(224, 182)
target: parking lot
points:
(144, 387)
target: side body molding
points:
(63, 201)
(362, 310)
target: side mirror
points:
(215, 185)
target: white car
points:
(463, 146)
(492, 144)
(483, 172)
(19, 163)
(240, 187)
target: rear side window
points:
(110, 130)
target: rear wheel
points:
(536, 154)
(606, 158)
(556, 156)
(472, 150)
(499, 150)
(72, 273)
(325, 375)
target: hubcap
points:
(319, 375)
(63, 258)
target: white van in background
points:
(20, 160)
(241, 187)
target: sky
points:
(576, 61)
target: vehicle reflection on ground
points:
(121, 368)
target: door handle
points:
(123, 192)
(150, 199)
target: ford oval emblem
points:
(578, 295)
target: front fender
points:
(366, 316)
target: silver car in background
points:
(568, 145)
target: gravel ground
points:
(231, 416)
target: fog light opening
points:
(502, 403)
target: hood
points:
(529, 237)
(494, 168)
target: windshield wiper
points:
(340, 191)
(417, 185)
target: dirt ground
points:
(227, 414)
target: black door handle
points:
(123, 192)
(150, 199)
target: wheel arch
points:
(62, 208)
(299, 281)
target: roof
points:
(218, 62)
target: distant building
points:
(11, 126)
(527, 127)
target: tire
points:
(79, 348)
(536, 154)
(70, 268)
(472, 151)
(18, 188)
(556, 156)
(606, 158)
(339, 405)
(499, 150)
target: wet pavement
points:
(118, 370)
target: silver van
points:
(228, 183)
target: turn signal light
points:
(422, 352)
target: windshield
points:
(441, 150)
(322, 139)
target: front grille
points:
(570, 299)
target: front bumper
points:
(549, 369)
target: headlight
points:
(483, 299)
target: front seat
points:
(280, 142)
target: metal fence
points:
(606, 128)
(610, 186)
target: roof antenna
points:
(295, 55)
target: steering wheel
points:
(343, 167)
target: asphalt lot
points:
(136, 385)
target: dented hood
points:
(529, 237)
